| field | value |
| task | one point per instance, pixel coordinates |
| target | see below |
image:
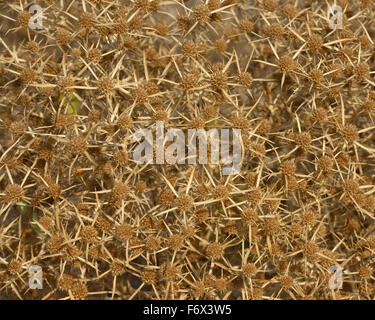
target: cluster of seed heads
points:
(101, 226)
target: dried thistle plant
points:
(74, 202)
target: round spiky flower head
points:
(249, 269)
(215, 250)
(24, 18)
(349, 132)
(185, 202)
(315, 42)
(89, 233)
(106, 85)
(87, 20)
(202, 13)
(149, 277)
(13, 192)
(286, 281)
(245, 79)
(63, 36)
(271, 5)
(65, 85)
(78, 144)
(117, 268)
(94, 55)
(124, 231)
(287, 64)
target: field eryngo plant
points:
(102, 226)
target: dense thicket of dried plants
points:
(74, 202)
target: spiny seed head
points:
(349, 132)
(78, 144)
(28, 75)
(286, 281)
(246, 26)
(310, 249)
(55, 243)
(166, 197)
(325, 163)
(256, 293)
(117, 268)
(125, 121)
(249, 269)
(308, 218)
(184, 23)
(63, 36)
(185, 202)
(288, 167)
(221, 192)
(175, 242)
(32, 46)
(303, 139)
(106, 85)
(124, 231)
(197, 123)
(249, 216)
(265, 126)
(271, 226)
(369, 106)
(149, 277)
(240, 122)
(213, 4)
(316, 76)
(245, 79)
(221, 45)
(65, 85)
(94, 55)
(251, 179)
(289, 11)
(13, 192)
(17, 127)
(141, 186)
(162, 29)
(65, 282)
(315, 42)
(350, 186)
(271, 5)
(169, 272)
(189, 49)
(14, 266)
(121, 157)
(202, 13)
(362, 71)
(46, 222)
(215, 250)
(190, 80)
(201, 214)
(153, 243)
(79, 290)
(287, 64)
(87, 20)
(54, 190)
(319, 114)
(24, 18)
(103, 224)
(121, 27)
(274, 30)
(219, 79)
(121, 190)
(254, 196)
(365, 272)
(89, 233)
(136, 23)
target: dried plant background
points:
(102, 227)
